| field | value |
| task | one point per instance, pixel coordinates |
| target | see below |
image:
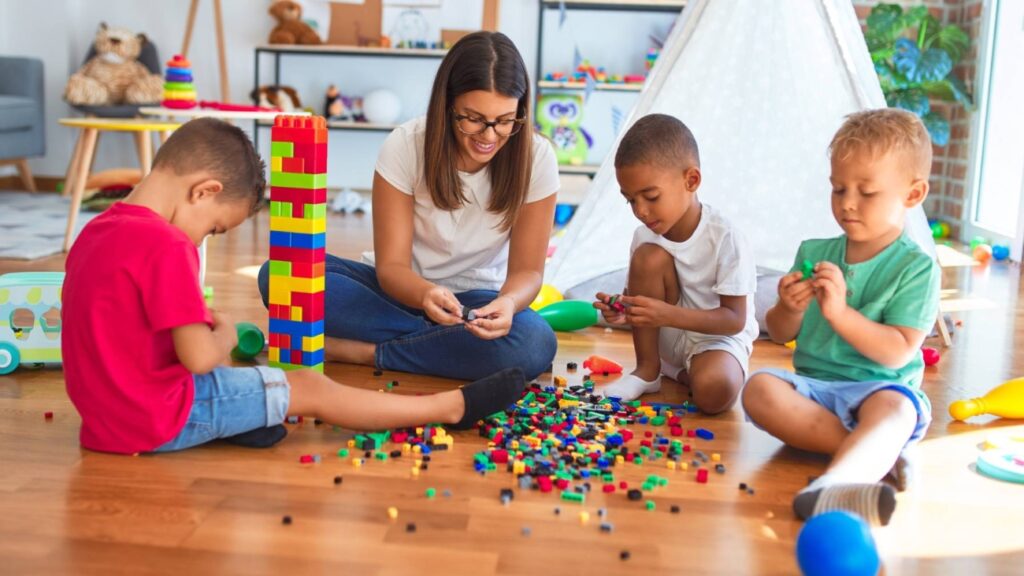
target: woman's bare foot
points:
(349, 351)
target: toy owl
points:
(559, 117)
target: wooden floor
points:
(218, 509)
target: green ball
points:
(978, 241)
(936, 230)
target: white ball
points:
(382, 107)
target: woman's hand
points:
(493, 320)
(441, 306)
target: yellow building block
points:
(275, 164)
(670, 464)
(312, 344)
(296, 315)
(300, 225)
(304, 285)
(684, 466)
(280, 292)
(273, 354)
(716, 457)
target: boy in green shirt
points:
(859, 321)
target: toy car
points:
(30, 322)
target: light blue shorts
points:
(229, 401)
(844, 398)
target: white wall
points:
(59, 32)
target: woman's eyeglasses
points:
(474, 125)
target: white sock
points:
(630, 387)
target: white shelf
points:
(352, 50)
(626, 4)
(599, 86)
(347, 125)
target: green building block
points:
(280, 268)
(282, 149)
(431, 492)
(807, 269)
(304, 181)
(311, 211)
(343, 453)
(577, 497)
(649, 505)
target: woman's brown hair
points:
(480, 61)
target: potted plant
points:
(914, 55)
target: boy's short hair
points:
(658, 140)
(223, 150)
(886, 131)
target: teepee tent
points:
(763, 86)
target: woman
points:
(463, 202)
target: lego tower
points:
(298, 226)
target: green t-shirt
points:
(898, 287)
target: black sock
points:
(489, 395)
(260, 437)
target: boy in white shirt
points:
(691, 274)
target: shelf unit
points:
(665, 6)
(278, 51)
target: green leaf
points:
(914, 17)
(938, 128)
(889, 78)
(950, 38)
(884, 20)
(912, 99)
(950, 89)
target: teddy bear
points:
(114, 75)
(290, 28)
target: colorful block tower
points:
(179, 91)
(298, 230)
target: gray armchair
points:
(21, 114)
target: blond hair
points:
(885, 131)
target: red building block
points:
(702, 476)
(544, 483)
(608, 488)
(499, 456)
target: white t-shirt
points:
(464, 249)
(715, 261)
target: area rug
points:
(32, 225)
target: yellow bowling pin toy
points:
(1005, 401)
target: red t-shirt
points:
(131, 277)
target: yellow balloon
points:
(548, 295)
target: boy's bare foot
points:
(349, 351)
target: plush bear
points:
(290, 28)
(114, 76)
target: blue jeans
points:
(356, 308)
(230, 401)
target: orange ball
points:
(982, 253)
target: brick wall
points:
(947, 200)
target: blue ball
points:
(1000, 252)
(837, 544)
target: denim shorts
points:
(229, 401)
(844, 398)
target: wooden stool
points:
(85, 152)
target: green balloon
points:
(569, 315)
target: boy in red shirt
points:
(142, 353)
